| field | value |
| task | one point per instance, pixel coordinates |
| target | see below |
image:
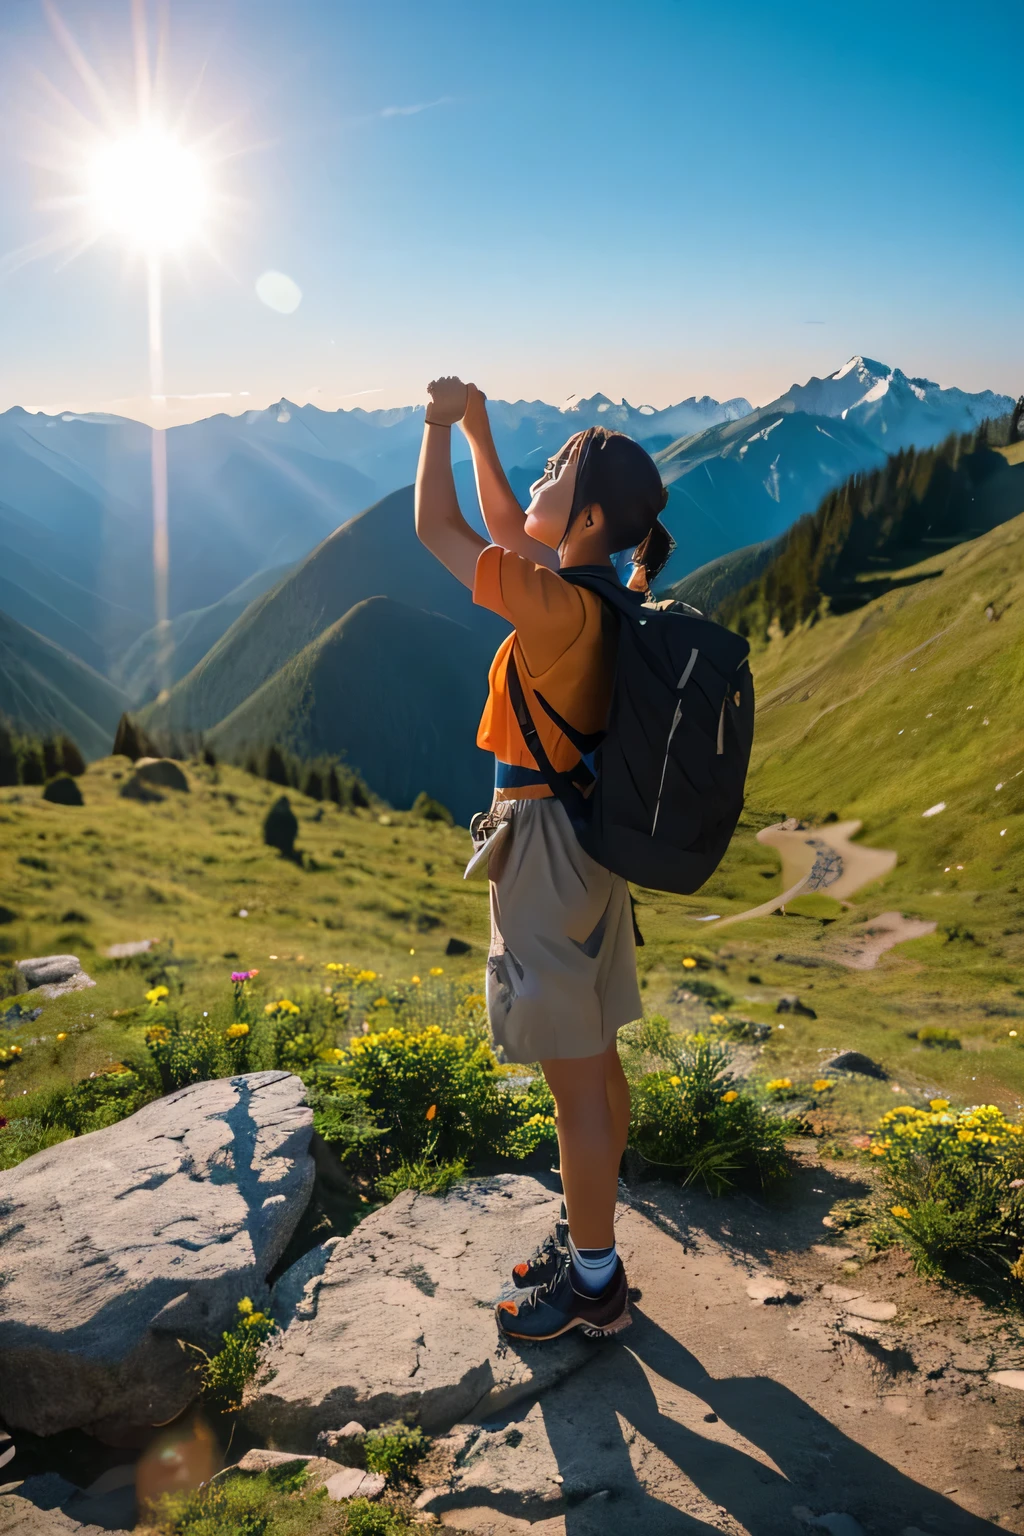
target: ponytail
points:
(652, 553)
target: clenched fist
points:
(448, 400)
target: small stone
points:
(790, 1003)
(343, 1445)
(839, 1293)
(354, 1483)
(260, 1460)
(873, 1311)
(711, 1418)
(457, 947)
(129, 949)
(855, 1061)
(771, 1292)
(832, 1252)
(1014, 1379)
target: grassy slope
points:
(834, 698)
(390, 689)
(46, 689)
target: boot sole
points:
(620, 1324)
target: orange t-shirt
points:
(564, 643)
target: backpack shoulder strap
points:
(570, 788)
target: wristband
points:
(429, 423)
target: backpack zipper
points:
(684, 679)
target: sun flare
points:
(147, 189)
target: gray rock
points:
(353, 1483)
(135, 788)
(116, 1509)
(854, 1061)
(128, 950)
(48, 969)
(162, 771)
(345, 1445)
(22, 1513)
(120, 1243)
(296, 1291)
(53, 975)
(790, 1003)
(404, 1322)
(260, 1460)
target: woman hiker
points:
(561, 975)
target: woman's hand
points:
(474, 422)
(448, 400)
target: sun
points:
(148, 190)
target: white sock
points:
(592, 1268)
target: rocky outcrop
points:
(118, 1244)
(400, 1322)
(53, 975)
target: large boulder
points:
(398, 1320)
(118, 1244)
(162, 771)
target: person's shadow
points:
(592, 1418)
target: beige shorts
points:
(561, 974)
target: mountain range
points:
(283, 521)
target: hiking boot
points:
(542, 1265)
(548, 1311)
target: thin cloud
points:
(420, 106)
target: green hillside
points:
(46, 690)
(875, 526)
(708, 587)
(394, 691)
(376, 554)
(190, 635)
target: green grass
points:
(269, 1505)
(833, 698)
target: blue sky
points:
(653, 198)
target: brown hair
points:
(617, 473)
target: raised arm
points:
(440, 524)
(503, 516)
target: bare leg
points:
(592, 1098)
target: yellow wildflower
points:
(730, 1097)
(245, 1306)
(156, 995)
(236, 1031)
(938, 1104)
(63, 1035)
(821, 1084)
(718, 1018)
(689, 963)
(253, 1317)
(380, 1002)
(675, 1081)
(432, 1111)
(877, 1151)
(900, 1211)
(366, 976)
(777, 1084)
(965, 1135)
(437, 970)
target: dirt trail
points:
(753, 1396)
(818, 859)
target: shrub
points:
(96, 1102)
(426, 1176)
(689, 1119)
(280, 828)
(186, 1051)
(22, 1136)
(431, 810)
(394, 1449)
(953, 1184)
(939, 1039)
(226, 1374)
(366, 1519)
